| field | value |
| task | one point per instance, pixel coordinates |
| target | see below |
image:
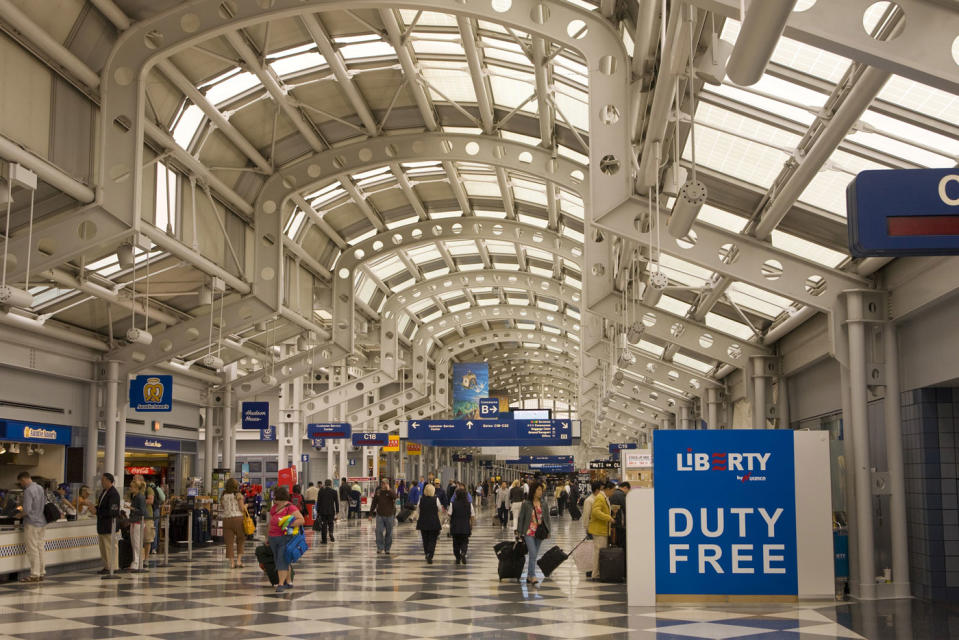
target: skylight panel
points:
(436, 43)
(449, 81)
(512, 89)
(187, 125)
(796, 55)
(575, 156)
(921, 98)
(540, 254)
(731, 327)
(774, 95)
(828, 189)
(294, 224)
(686, 273)
(489, 213)
(910, 142)
(807, 250)
(459, 306)
(650, 347)
(574, 107)
(540, 271)
(571, 70)
(519, 137)
(365, 46)
(572, 234)
(692, 363)
(227, 88)
(480, 186)
(756, 299)
(424, 254)
(461, 247)
(432, 316)
(673, 305)
(572, 282)
(388, 267)
(366, 288)
(724, 219)
(366, 235)
(500, 247)
(402, 222)
(301, 62)
(504, 50)
(427, 18)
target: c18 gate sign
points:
(725, 512)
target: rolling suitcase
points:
(405, 513)
(574, 512)
(550, 560)
(612, 564)
(264, 557)
(124, 553)
(554, 512)
(512, 557)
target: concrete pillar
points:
(90, 454)
(712, 408)
(208, 428)
(759, 392)
(229, 433)
(110, 418)
(684, 417)
(121, 410)
(858, 437)
(897, 480)
(298, 429)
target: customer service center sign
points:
(725, 512)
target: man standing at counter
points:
(34, 524)
(108, 508)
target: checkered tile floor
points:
(344, 590)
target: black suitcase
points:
(574, 512)
(550, 560)
(554, 512)
(612, 564)
(125, 553)
(405, 513)
(264, 557)
(512, 557)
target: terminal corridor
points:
(344, 590)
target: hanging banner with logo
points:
(470, 384)
(151, 393)
(394, 444)
(255, 415)
(414, 449)
(268, 434)
(725, 512)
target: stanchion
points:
(189, 536)
(115, 550)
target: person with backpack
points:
(34, 525)
(462, 517)
(278, 536)
(138, 507)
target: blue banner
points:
(554, 468)
(488, 407)
(330, 430)
(470, 384)
(614, 447)
(268, 434)
(149, 443)
(371, 439)
(490, 433)
(151, 393)
(36, 432)
(542, 460)
(462, 457)
(725, 510)
(304, 457)
(255, 415)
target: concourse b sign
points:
(725, 512)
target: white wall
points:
(929, 346)
(814, 391)
(17, 385)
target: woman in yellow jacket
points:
(599, 521)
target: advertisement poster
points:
(725, 505)
(470, 383)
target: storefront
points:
(163, 460)
(38, 448)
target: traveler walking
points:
(327, 506)
(383, 507)
(138, 507)
(502, 504)
(108, 509)
(428, 521)
(516, 498)
(533, 526)
(599, 522)
(278, 536)
(233, 508)
(462, 518)
(416, 492)
(444, 496)
(34, 525)
(310, 497)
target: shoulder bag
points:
(542, 531)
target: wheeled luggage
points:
(554, 512)
(612, 564)
(550, 560)
(264, 557)
(124, 553)
(583, 554)
(512, 557)
(405, 513)
(574, 512)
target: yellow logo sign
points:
(153, 390)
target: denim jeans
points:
(532, 545)
(384, 532)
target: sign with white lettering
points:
(255, 415)
(725, 512)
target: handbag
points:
(249, 528)
(295, 548)
(542, 531)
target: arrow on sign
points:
(469, 425)
(415, 424)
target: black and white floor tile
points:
(344, 590)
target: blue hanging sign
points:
(903, 212)
(488, 407)
(149, 443)
(36, 432)
(462, 457)
(255, 415)
(329, 430)
(541, 460)
(491, 433)
(268, 434)
(614, 447)
(304, 457)
(152, 392)
(554, 468)
(371, 439)
(470, 384)
(725, 512)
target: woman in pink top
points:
(279, 538)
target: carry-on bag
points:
(583, 554)
(405, 513)
(612, 564)
(512, 557)
(574, 512)
(264, 557)
(550, 560)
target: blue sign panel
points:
(904, 212)
(554, 468)
(36, 432)
(304, 457)
(149, 443)
(331, 430)
(462, 457)
(470, 384)
(614, 447)
(725, 505)
(488, 407)
(542, 460)
(255, 415)
(268, 434)
(371, 439)
(151, 393)
(491, 433)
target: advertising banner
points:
(255, 415)
(151, 392)
(268, 434)
(491, 433)
(393, 445)
(470, 383)
(36, 432)
(149, 443)
(414, 449)
(725, 512)
(329, 430)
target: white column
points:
(712, 408)
(298, 428)
(858, 436)
(121, 409)
(759, 392)
(110, 422)
(208, 429)
(897, 480)
(90, 454)
(684, 417)
(229, 434)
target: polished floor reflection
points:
(344, 590)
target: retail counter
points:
(65, 542)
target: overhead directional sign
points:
(614, 446)
(488, 407)
(491, 433)
(554, 468)
(542, 460)
(255, 415)
(329, 430)
(371, 439)
(903, 212)
(462, 457)
(604, 464)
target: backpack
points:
(50, 512)
(160, 496)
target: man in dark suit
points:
(327, 506)
(108, 508)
